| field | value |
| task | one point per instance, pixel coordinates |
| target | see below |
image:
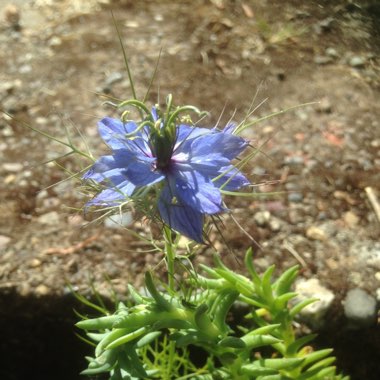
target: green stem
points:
(170, 257)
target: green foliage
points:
(153, 338)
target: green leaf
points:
(248, 261)
(100, 323)
(316, 356)
(254, 370)
(148, 338)
(126, 338)
(285, 281)
(298, 343)
(301, 305)
(160, 300)
(280, 303)
(267, 286)
(233, 342)
(282, 363)
(254, 341)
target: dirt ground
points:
(57, 56)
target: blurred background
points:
(58, 56)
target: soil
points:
(322, 159)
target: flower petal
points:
(231, 179)
(113, 132)
(227, 145)
(193, 190)
(142, 174)
(113, 196)
(186, 134)
(180, 217)
(101, 169)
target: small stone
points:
(35, 263)
(331, 52)
(356, 61)
(315, 312)
(119, 220)
(295, 216)
(326, 24)
(275, 225)
(293, 160)
(24, 289)
(25, 69)
(324, 106)
(322, 59)
(295, 197)
(55, 41)
(49, 218)
(351, 219)
(360, 308)
(4, 241)
(113, 78)
(12, 14)
(13, 167)
(41, 290)
(316, 233)
(262, 218)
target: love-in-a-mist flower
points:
(186, 165)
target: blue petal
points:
(113, 196)
(209, 165)
(113, 132)
(227, 145)
(186, 134)
(180, 217)
(102, 169)
(231, 179)
(142, 173)
(193, 190)
(154, 114)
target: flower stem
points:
(170, 257)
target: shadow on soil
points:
(38, 341)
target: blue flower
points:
(191, 164)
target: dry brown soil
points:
(56, 55)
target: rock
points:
(314, 313)
(262, 218)
(274, 224)
(351, 219)
(331, 52)
(41, 290)
(326, 24)
(113, 78)
(295, 216)
(357, 61)
(295, 197)
(324, 106)
(322, 59)
(13, 167)
(12, 15)
(25, 69)
(49, 218)
(35, 263)
(294, 160)
(4, 242)
(366, 252)
(119, 220)
(316, 233)
(360, 308)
